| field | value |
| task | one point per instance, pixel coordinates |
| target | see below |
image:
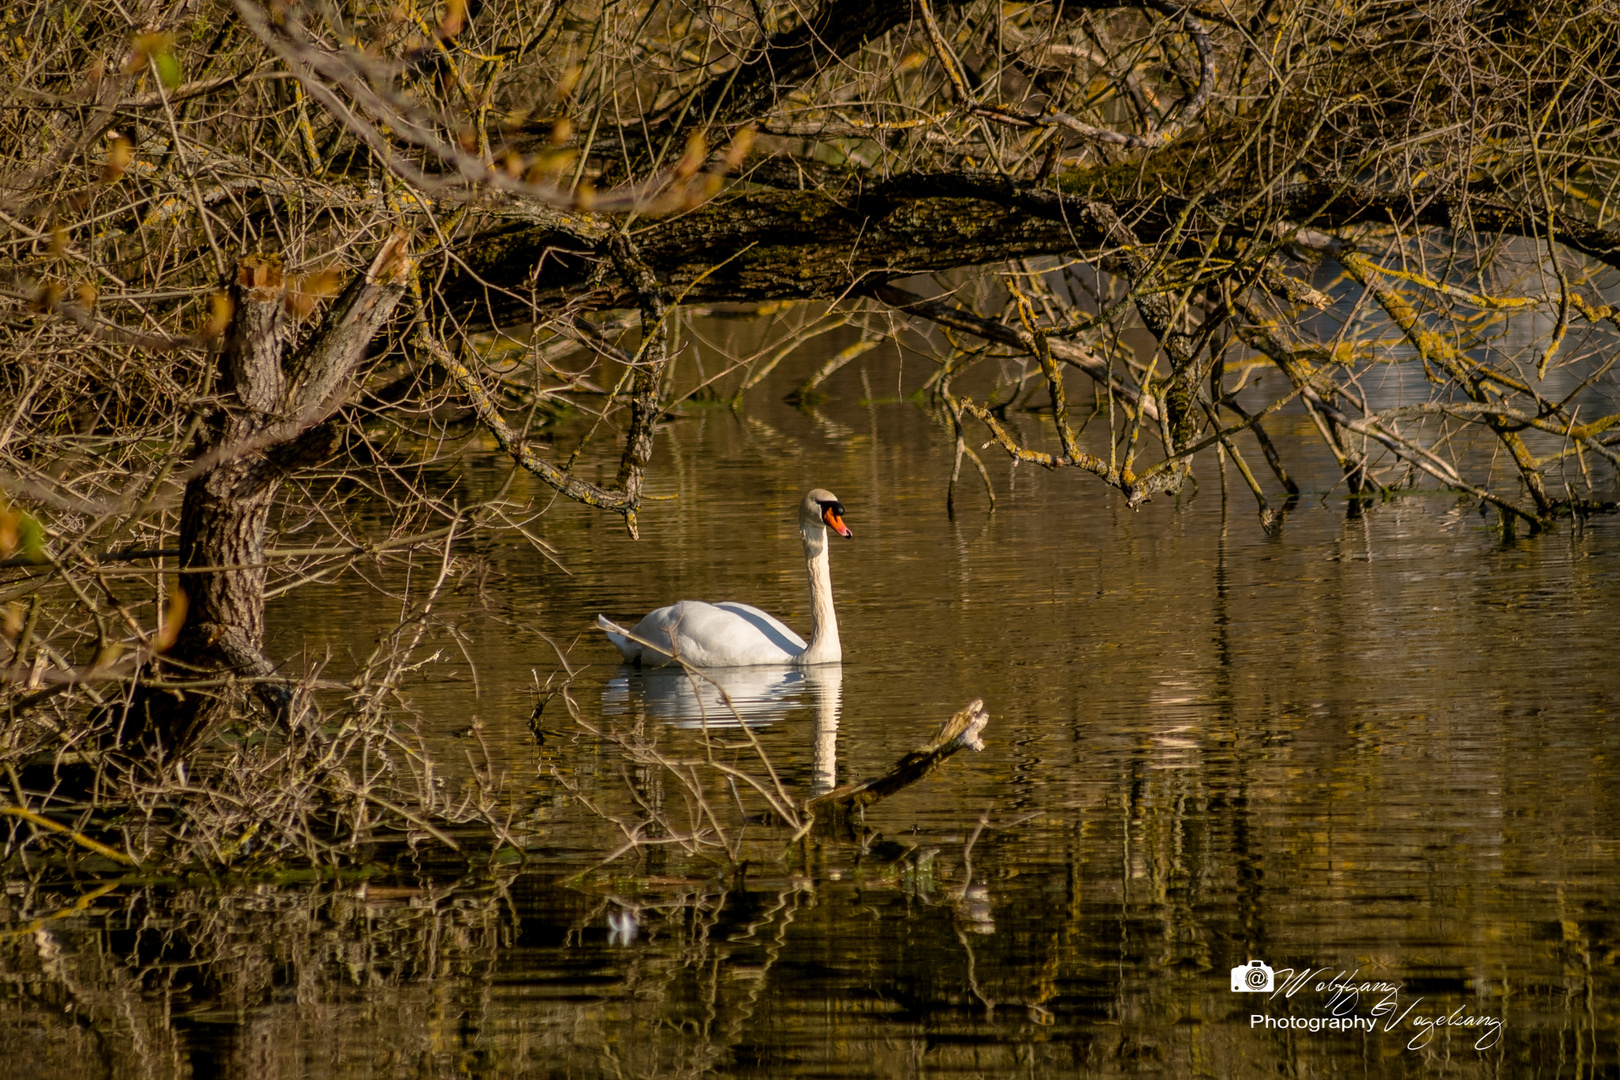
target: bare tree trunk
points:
(226, 507)
(272, 403)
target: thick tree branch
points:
(817, 245)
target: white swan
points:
(730, 634)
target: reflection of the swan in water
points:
(757, 695)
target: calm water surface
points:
(1381, 745)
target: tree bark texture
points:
(270, 399)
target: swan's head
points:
(822, 508)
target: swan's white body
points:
(730, 634)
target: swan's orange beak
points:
(834, 517)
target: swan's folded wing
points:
(707, 635)
(776, 631)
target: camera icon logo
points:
(1255, 977)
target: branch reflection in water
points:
(727, 697)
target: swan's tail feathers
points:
(620, 637)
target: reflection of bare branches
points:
(121, 971)
(703, 781)
(344, 774)
(706, 773)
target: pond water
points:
(1381, 747)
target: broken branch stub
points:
(962, 731)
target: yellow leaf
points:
(569, 80)
(11, 619)
(168, 69)
(453, 19)
(174, 617)
(48, 296)
(324, 283)
(220, 308)
(741, 143)
(31, 538)
(549, 165)
(120, 152)
(696, 148)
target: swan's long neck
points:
(824, 647)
